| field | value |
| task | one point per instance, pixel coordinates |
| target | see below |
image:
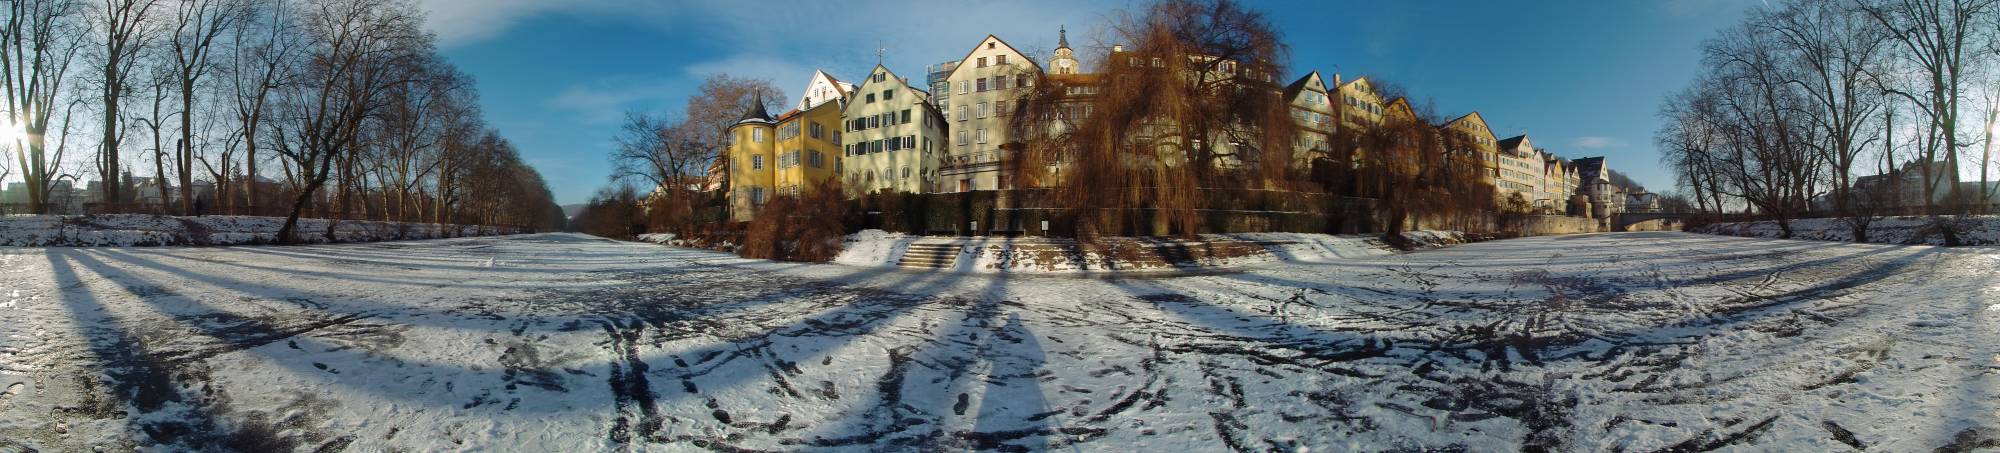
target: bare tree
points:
(257, 65)
(196, 25)
(124, 31)
(1938, 41)
(357, 50)
(718, 103)
(1191, 106)
(1832, 54)
(37, 44)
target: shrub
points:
(805, 228)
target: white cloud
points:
(458, 22)
(606, 99)
(1595, 142)
(784, 72)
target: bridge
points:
(1660, 221)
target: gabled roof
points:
(922, 96)
(1308, 81)
(1514, 142)
(1404, 104)
(845, 89)
(1003, 43)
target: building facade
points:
(986, 87)
(893, 137)
(1520, 169)
(789, 155)
(1313, 110)
(1484, 148)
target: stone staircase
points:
(930, 256)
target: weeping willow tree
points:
(1186, 115)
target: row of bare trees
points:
(1804, 98)
(347, 99)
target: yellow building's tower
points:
(752, 161)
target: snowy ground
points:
(1624, 341)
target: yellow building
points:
(1361, 106)
(788, 155)
(751, 154)
(1485, 150)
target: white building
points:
(893, 137)
(985, 89)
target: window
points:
(756, 195)
(982, 62)
(881, 76)
(962, 116)
(1000, 108)
(982, 110)
(757, 162)
(817, 161)
(1020, 80)
(1158, 63)
(1000, 59)
(999, 82)
(871, 98)
(888, 94)
(906, 116)
(964, 86)
(909, 142)
(906, 172)
(989, 45)
(982, 84)
(961, 138)
(982, 135)
(757, 135)
(818, 131)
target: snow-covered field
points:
(1973, 230)
(153, 230)
(559, 342)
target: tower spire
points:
(1062, 37)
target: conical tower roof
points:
(756, 112)
(1062, 37)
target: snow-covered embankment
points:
(156, 230)
(1916, 230)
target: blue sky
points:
(1582, 78)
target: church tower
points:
(1065, 60)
